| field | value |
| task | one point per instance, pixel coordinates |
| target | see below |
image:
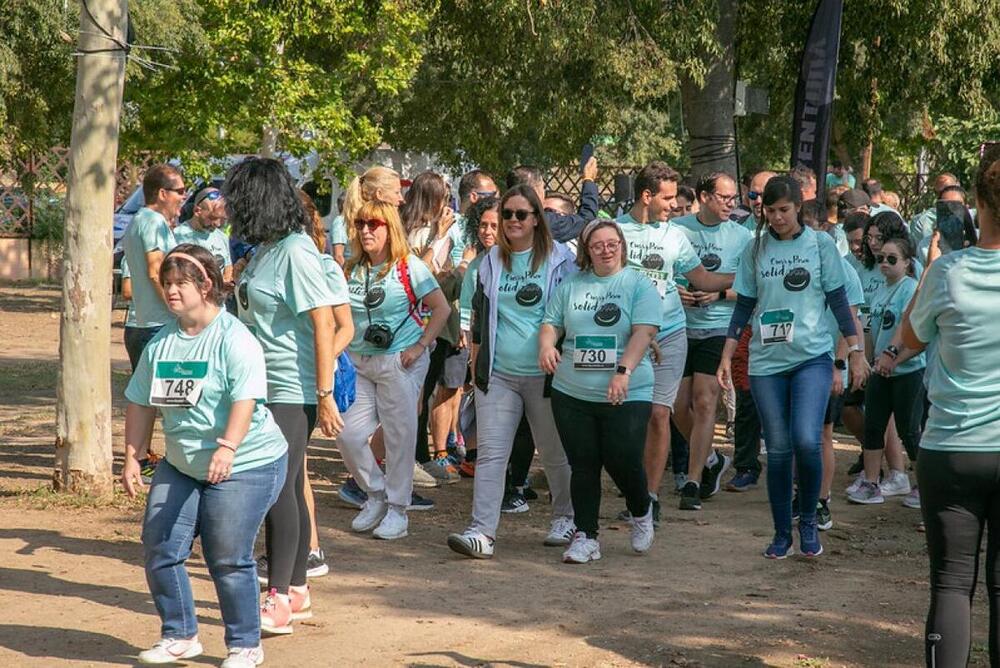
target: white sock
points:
(712, 460)
(654, 497)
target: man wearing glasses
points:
(147, 240)
(753, 199)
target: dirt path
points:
(702, 597)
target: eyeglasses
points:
(372, 224)
(891, 259)
(482, 194)
(753, 195)
(602, 246)
(180, 190)
(520, 214)
(726, 199)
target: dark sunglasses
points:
(753, 195)
(891, 259)
(181, 190)
(372, 224)
(520, 214)
(483, 194)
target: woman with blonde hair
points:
(376, 184)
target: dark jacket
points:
(568, 227)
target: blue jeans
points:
(792, 406)
(227, 516)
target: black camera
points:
(379, 336)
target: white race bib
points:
(595, 353)
(777, 326)
(177, 384)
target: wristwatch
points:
(323, 393)
(840, 365)
(623, 370)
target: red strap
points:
(404, 277)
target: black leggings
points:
(521, 455)
(901, 397)
(435, 369)
(595, 434)
(287, 525)
(959, 497)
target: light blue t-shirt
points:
(789, 279)
(147, 232)
(586, 307)
(888, 306)
(840, 239)
(456, 233)
(283, 281)
(336, 280)
(662, 252)
(337, 234)
(855, 297)
(832, 180)
(521, 299)
(388, 304)
(214, 241)
(957, 307)
(130, 309)
(872, 281)
(194, 381)
(468, 290)
(719, 247)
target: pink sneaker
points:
(300, 602)
(275, 614)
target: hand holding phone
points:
(585, 155)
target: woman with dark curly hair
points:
(285, 299)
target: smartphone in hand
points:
(585, 155)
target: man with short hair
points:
(559, 203)
(473, 186)
(922, 225)
(806, 178)
(851, 201)
(755, 199)
(146, 241)
(205, 229)
(839, 175)
(873, 188)
(563, 227)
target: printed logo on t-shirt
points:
(608, 315)
(797, 279)
(653, 261)
(374, 297)
(711, 261)
(529, 294)
(888, 319)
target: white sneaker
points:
(897, 483)
(244, 657)
(371, 513)
(472, 543)
(642, 531)
(422, 478)
(868, 493)
(171, 650)
(394, 525)
(912, 500)
(856, 485)
(582, 549)
(561, 532)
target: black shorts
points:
(854, 398)
(704, 355)
(834, 405)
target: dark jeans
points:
(746, 451)
(959, 499)
(901, 397)
(521, 455)
(135, 341)
(435, 369)
(679, 451)
(599, 434)
(288, 524)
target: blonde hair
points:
(399, 247)
(363, 189)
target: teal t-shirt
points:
(832, 180)
(194, 381)
(521, 299)
(214, 241)
(840, 239)
(957, 308)
(597, 314)
(388, 304)
(888, 306)
(283, 281)
(456, 233)
(468, 290)
(662, 252)
(855, 297)
(147, 232)
(719, 247)
(789, 279)
(872, 281)
(130, 309)
(336, 280)
(338, 235)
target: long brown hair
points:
(541, 244)
(314, 224)
(425, 200)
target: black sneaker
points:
(824, 520)
(795, 506)
(529, 494)
(857, 467)
(514, 503)
(316, 564)
(690, 498)
(711, 477)
(418, 502)
(262, 570)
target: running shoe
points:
(244, 657)
(394, 525)
(743, 481)
(371, 514)
(528, 492)
(352, 494)
(422, 478)
(275, 614)
(809, 544)
(418, 502)
(560, 532)
(514, 503)
(262, 570)
(680, 479)
(454, 457)
(643, 532)
(624, 516)
(582, 549)
(868, 493)
(730, 432)
(467, 469)
(171, 650)
(711, 477)
(316, 564)
(824, 520)
(780, 547)
(897, 483)
(300, 602)
(912, 500)
(472, 543)
(856, 485)
(858, 466)
(690, 497)
(442, 471)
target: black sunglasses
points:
(180, 190)
(753, 195)
(520, 214)
(891, 259)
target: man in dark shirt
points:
(564, 227)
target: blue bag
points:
(344, 380)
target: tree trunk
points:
(708, 109)
(269, 141)
(83, 432)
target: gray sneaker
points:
(912, 500)
(868, 493)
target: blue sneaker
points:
(809, 544)
(418, 502)
(743, 481)
(352, 494)
(780, 547)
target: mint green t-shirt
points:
(832, 180)
(888, 306)
(456, 233)
(790, 280)
(468, 290)
(872, 281)
(214, 241)
(662, 252)
(719, 247)
(336, 280)
(597, 314)
(147, 232)
(521, 299)
(194, 381)
(388, 304)
(957, 308)
(338, 235)
(282, 282)
(130, 309)
(855, 297)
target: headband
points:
(193, 260)
(592, 225)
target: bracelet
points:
(892, 351)
(228, 445)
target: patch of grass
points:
(45, 498)
(25, 377)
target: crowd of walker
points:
(435, 343)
